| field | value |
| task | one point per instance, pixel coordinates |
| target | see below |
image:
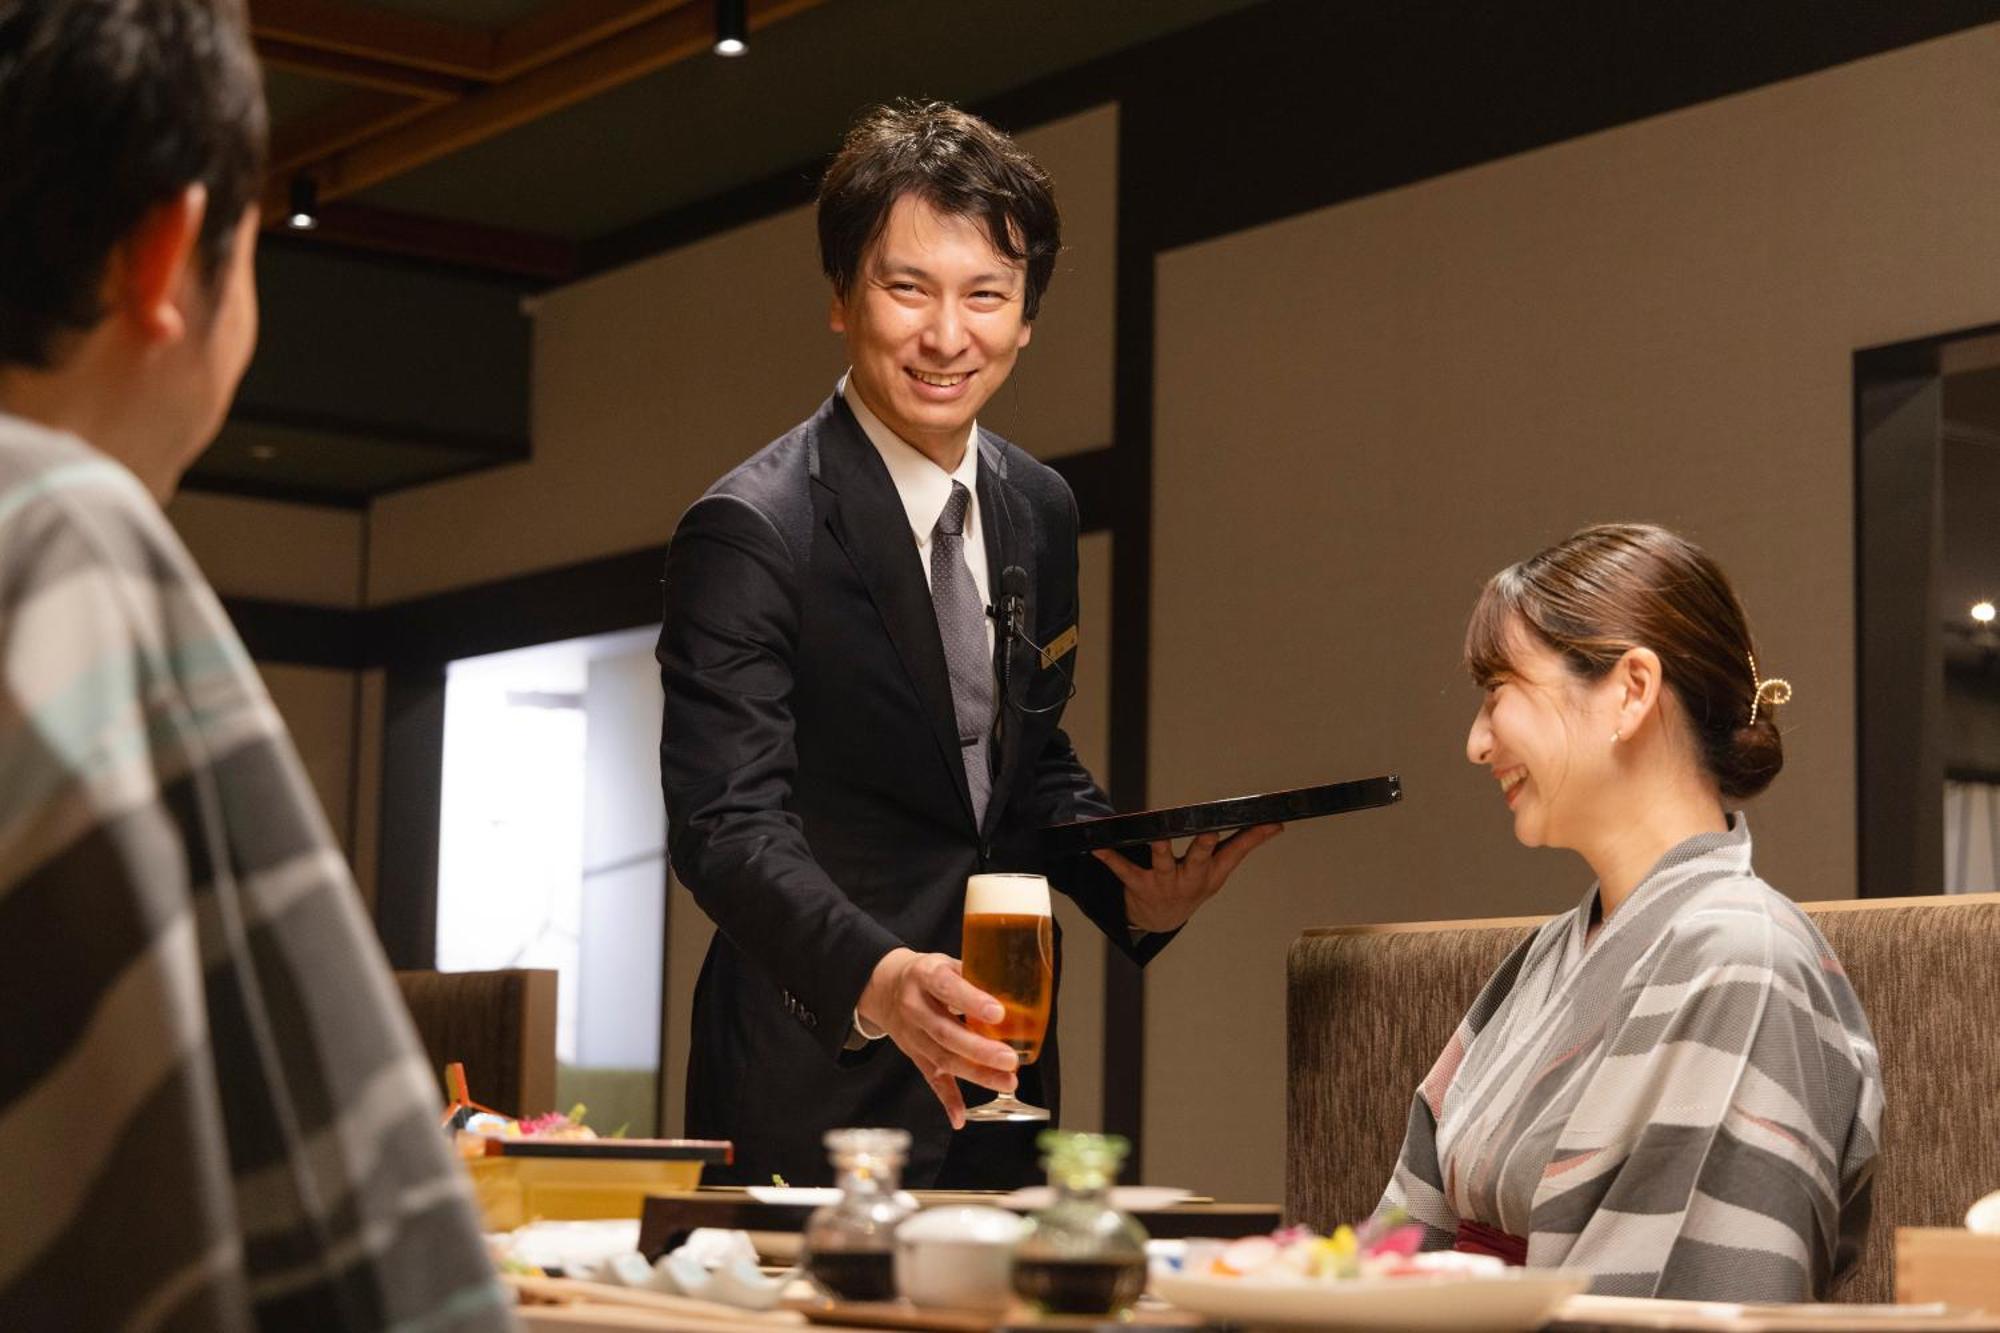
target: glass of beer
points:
(1010, 952)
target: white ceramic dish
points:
(958, 1258)
(1519, 1299)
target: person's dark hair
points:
(956, 163)
(110, 108)
(1614, 587)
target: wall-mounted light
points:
(303, 215)
(1983, 612)
(732, 28)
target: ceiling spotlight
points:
(1983, 612)
(303, 215)
(732, 29)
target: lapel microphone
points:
(1011, 615)
(1013, 601)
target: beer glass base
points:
(1005, 1107)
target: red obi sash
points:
(1478, 1238)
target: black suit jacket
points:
(816, 802)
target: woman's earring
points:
(1617, 736)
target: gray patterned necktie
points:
(961, 618)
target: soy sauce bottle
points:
(1081, 1256)
(850, 1245)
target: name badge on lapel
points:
(1059, 647)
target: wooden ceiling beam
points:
(538, 40)
(361, 72)
(492, 249)
(685, 31)
(567, 27)
(354, 118)
(420, 103)
(376, 34)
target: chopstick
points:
(561, 1292)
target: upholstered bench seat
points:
(500, 1025)
(1369, 1008)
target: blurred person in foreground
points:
(214, 1114)
(1671, 1087)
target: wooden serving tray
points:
(706, 1151)
(1948, 1264)
(667, 1218)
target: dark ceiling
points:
(707, 124)
(642, 118)
(466, 152)
(469, 152)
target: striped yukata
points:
(1685, 1105)
(213, 1111)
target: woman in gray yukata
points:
(1671, 1087)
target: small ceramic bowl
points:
(959, 1258)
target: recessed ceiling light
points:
(263, 453)
(303, 215)
(732, 29)
(1983, 612)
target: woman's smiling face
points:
(1538, 730)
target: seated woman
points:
(1672, 1087)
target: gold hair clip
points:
(1772, 693)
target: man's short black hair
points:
(959, 165)
(110, 108)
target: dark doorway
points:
(1927, 576)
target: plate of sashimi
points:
(1372, 1277)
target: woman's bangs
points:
(1489, 633)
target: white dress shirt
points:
(924, 487)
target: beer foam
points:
(1008, 895)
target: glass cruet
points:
(1081, 1255)
(850, 1245)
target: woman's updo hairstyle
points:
(1618, 586)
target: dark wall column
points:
(1899, 649)
(412, 791)
(1130, 512)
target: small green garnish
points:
(779, 1181)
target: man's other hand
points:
(1165, 896)
(915, 1000)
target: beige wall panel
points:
(280, 552)
(318, 707)
(1058, 401)
(1402, 394)
(652, 381)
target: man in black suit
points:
(837, 754)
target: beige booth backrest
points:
(1369, 1007)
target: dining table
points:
(668, 1218)
(553, 1305)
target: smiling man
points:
(849, 732)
